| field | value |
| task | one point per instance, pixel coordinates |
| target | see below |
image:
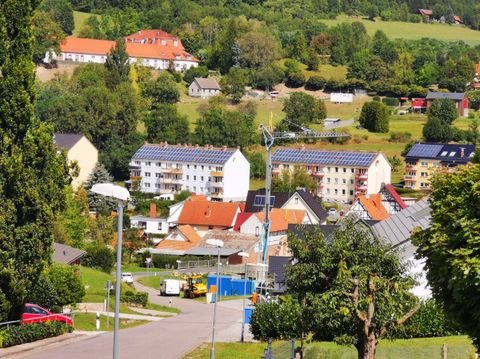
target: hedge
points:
(27, 333)
(132, 298)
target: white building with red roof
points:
(152, 48)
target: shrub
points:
(99, 256)
(67, 284)
(400, 136)
(376, 98)
(357, 139)
(132, 298)
(375, 117)
(192, 72)
(20, 334)
(391, 101)
(315, 83)
(295, 79)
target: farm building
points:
(204, 87)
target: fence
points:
(39, 319)
(285, 350)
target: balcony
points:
(216, 173)
(409, 178)
(318, 174)
(361, 188)
(216, 195)
(361, 176)
(411, 167)
(173, 170)
(276, 171)
(216, 184)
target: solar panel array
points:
(340, 158)
(424, 150)
(260, 200)
(183, 154)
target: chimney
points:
(153, 210)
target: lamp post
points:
(122, 195)
(178, 264)
(244, 255)
(219, 244)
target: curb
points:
(27, 347)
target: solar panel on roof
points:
(424, 150)
(324, 157)
(183, 154)
(260, 200)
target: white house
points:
(218, 173)
(341, 175)
(80, 150)
(151, 224)
(150, 54)
(204, 87)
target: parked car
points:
(127, 277)
(170, 287)
(332, 212)
(33, 313)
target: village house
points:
(80, 150)
(424, 159)
(341, 175)
(223, 174)
(180, 240)
(151, 224)
(151, 48)
(64, 254)
(460, 99)
(204, 87)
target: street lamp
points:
(122, 195)
(244, 255)
(178, 264)
(219, 244)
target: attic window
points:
(444, 153)
(451, 154)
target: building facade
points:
(222, 174)
(341, 176)
(424, 159)
(204, 87)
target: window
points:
(344, 170)
(351, 181)
(137, 163)
(194, 178)
(157, 185)
(344, 181)
(451, 154)
(194, 167)
(286, 166)
(201, 178)
(159, 164)
(203, 167)
(352, 170)
(336, 191)
(344, 191)
(328, 190)
(188, 177)
(188, 167)
(296, 199)
(423, 184)
(148, 164)
(423, 174)
(159, 226)
(147, 174)
(147, 185)
(424, 164)
(158, 175)
(194, 188)
(336, 169)
(328, 169)
(328, 179)
(336, 180)
(444, 153)
(351, 192)
(201, 189)
(210, 167)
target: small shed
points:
(204, 87)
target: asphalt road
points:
(171, 338)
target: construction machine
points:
(195, 287)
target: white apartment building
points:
(341, 175)
(220, 173)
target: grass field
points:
(458, 348)
(79, 19)
(412, 31)
(87, 321)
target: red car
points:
(34, 314)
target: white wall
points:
(77, 57)
(86, 155)
(153, 226)
(236, 178)
(379, 173)
(297, 202)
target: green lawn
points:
(79, 19)
(458, 348)
(87, 321)
(411, 31)
(95, 282)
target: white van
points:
(170, 287)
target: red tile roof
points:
(396, 196)
(241, 218)
(205, 213)
(154, 37)
(192, 240)
(373, 205)
(103, 47)
(281, 218)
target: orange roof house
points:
(218, 215)
(155, 37)
(279, 221)
(86, 46)
(181, 239)
(369, 208)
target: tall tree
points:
(450, 246)
(290, 181)
(302, 109)
(354, 287)
(32, 173)
(47, 35)
(164, 123)
(117, 64)
(61, 12)
(95, 201)
(375, 117)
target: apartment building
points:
(424, 159)
(223, 174)
(341, 175)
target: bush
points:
(99, 256)
(375, 117)
(400, 136)
(429, 321)
(20, 334)
(315, 83)
(192, 72)
(391, 101)
(132, 298)
(67, 284)
(295, 79)
(376, 98)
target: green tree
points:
(67, 284)
(435, 131)
(47, 35)
(360, 291)
(61, 12)
(302, 109)
(100, 256)
(192, 72)
(257, 164)
(117, 64)
(96, 201)
(443, 109)
(29, 205)
(375, 117)
(450, 246)
(233, 84)
(163, 90)
(164, 123)
(384, 48)
(258, 49)
(289, 181)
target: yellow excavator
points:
(195, 287)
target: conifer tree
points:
(32, 173)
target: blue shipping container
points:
(248, 314)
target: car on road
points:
(127, 277)
(33, 313)
(332, 212)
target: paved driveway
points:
(171, 338)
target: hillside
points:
(413, 31)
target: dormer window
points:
(444, 153)
(452, 154)
(163, 42)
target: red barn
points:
(460, 99)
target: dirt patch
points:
(284, 90)
(43, 74)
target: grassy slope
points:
(411, 31)
(79, 19)
(458, 348)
